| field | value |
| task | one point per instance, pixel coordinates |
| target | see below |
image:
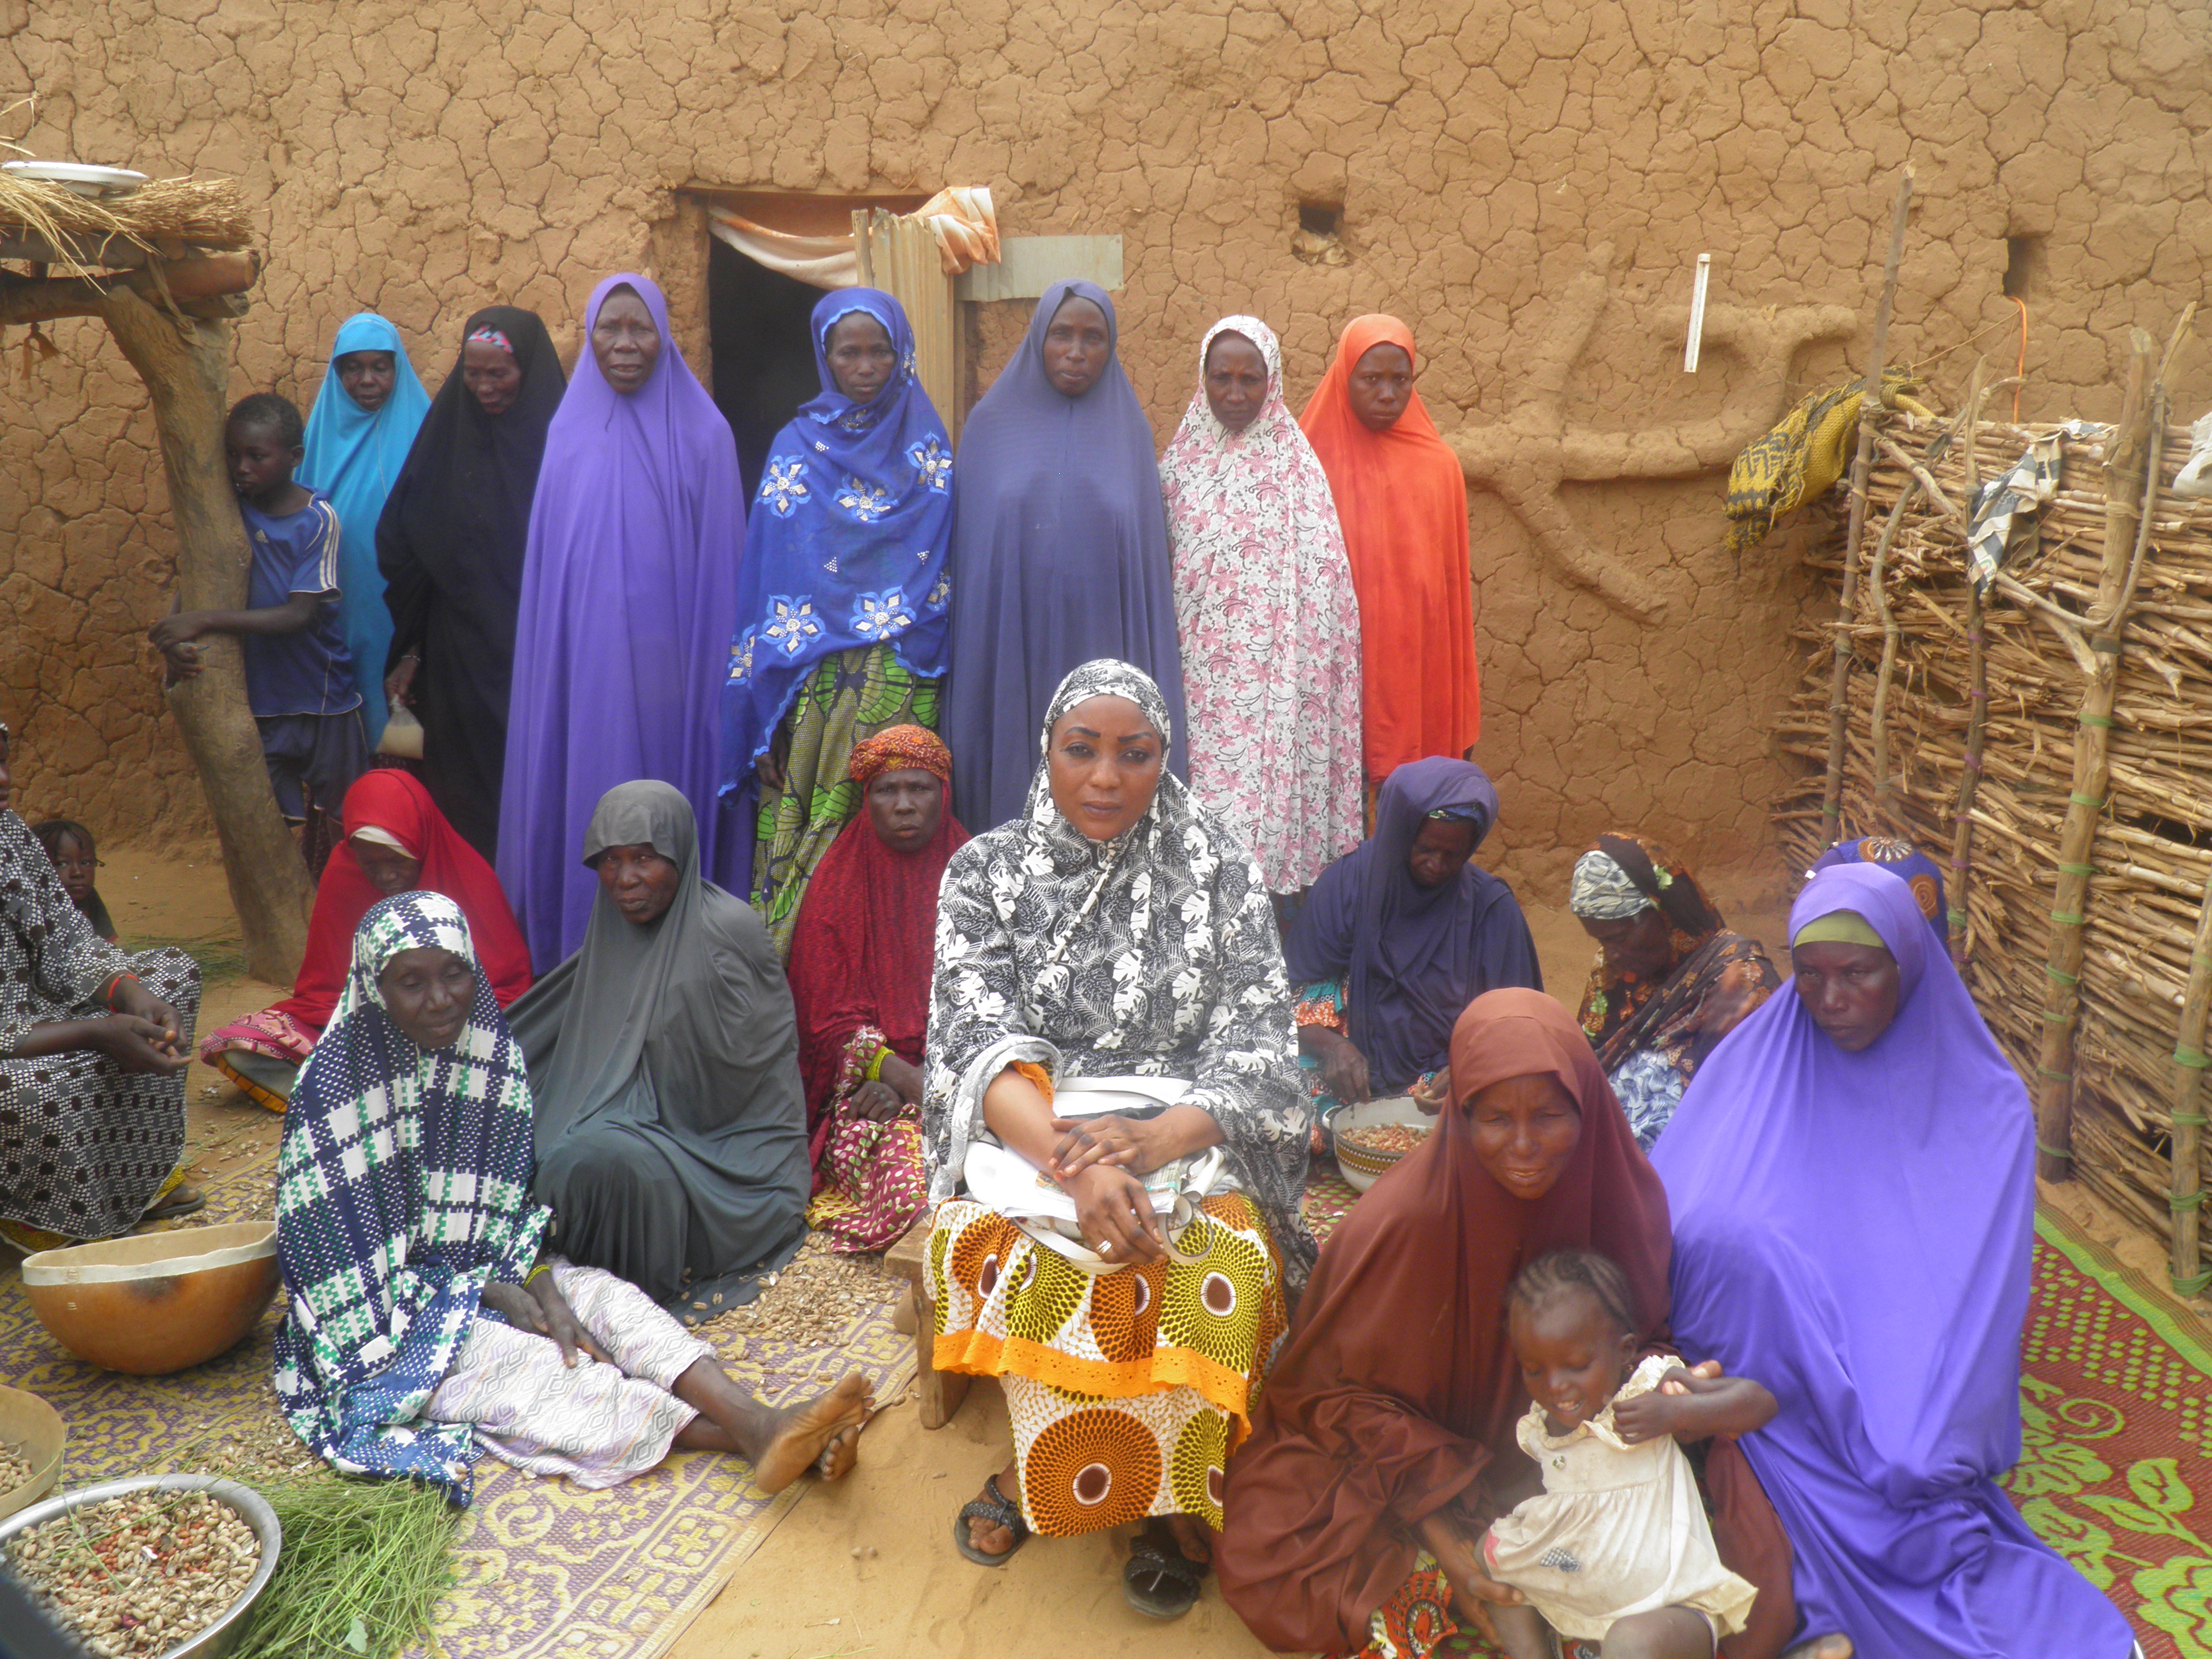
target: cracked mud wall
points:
(1455, 163)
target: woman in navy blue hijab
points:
(1060, 549)
(1401, 933)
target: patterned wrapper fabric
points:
(1152, 955)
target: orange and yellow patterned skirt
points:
(1128, 1389)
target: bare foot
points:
(838, 1458)
(1193, 1537)
(1831, 1646)
(803, 1433)
(989, 1536)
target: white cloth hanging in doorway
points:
(962, 219)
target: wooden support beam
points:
(46, 299)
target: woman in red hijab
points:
(1401, 498)
(859, 968)
(1384, 1444)
(395, 842)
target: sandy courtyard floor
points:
(867, 1567)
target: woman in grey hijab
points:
(1117, 1140)
(664, 1056)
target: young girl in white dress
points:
(1616, 1552)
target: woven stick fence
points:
(2071, 591)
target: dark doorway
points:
(757, 323)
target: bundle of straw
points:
(197, 213)
(2153, 850)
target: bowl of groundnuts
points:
(1373, 1135)
(162, 1565)
(31, 1435)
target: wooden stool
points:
(937, 1392)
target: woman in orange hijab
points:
(1402, 500)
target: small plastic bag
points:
(2195, 478)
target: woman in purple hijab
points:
(628, 589)
(1851, 1178)
(1400, 934)
(1060, 549)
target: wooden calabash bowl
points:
(155, 1303)
(34, 1429)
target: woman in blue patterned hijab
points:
(417, 1333)
(841, 629)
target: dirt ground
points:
(867, 1567)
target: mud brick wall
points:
(1528, 182)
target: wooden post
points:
(939, 1393)
(187, 368)
(1831, 798)
(2062, 997)
(1977, 698)
(1884, 791)
(171, 319)
(2184, 1187)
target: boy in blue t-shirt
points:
(299, 674)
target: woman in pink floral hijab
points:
(1264, 603)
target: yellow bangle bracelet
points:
(531, 1278)
(875, 1071)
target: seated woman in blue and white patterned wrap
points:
(417, 1333)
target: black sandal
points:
(181, 1201)
(992, 1507)
(1174, 1578)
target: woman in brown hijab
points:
(1383, 1446)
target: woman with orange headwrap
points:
(1401, 499)
(860, 962)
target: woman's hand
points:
(138, 1044)
(398, 684)
(1460, 1555)
(539, 1306)
(1433, 1093)
(1124, 1143)
(1649, 1416)
(130, 997)
(774, 765)
(1139, 1145)
(903, 1076)
(1343, 1067)
(1116, 1214)
(876, 1101)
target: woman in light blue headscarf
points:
(358, 435)
(842, 624)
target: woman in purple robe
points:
(1852, 1183)
(1060, 549)
(628, 589)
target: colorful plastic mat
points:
(544, 1567)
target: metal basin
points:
(223, 1635)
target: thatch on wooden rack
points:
(164, 215)
(2153, 850)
